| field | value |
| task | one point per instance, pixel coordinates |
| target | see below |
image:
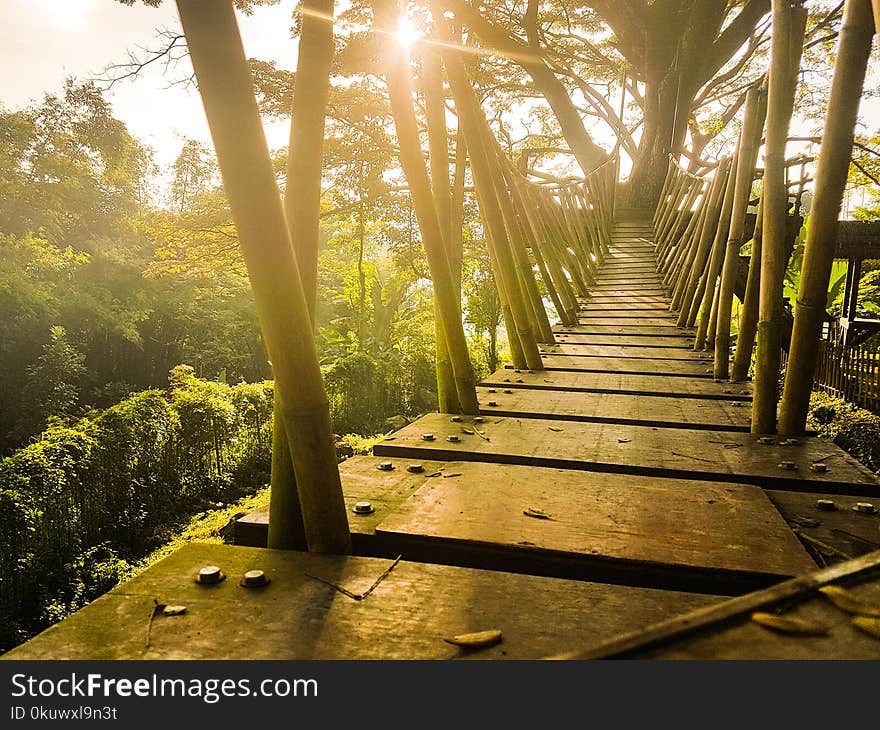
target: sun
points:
(66, 13)
(406, 33)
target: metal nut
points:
(456, 419)
(363, 508)
(866, 508)
(508, 391)
(819, 467)
(427, 437)
(415, 468)
(492, 390)
(385, 466)
(767, 440)
(826, 505)
(491, 403)
(788, 465)
(453, 438)
(479, 419)
(209, 575)
(254, 579)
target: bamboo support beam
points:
(226, 89)
(853, 51)
(789, 21)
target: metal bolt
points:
(767, 440)
(509, 392)
(415, 468)
(492, 390)
(479, 419)
(826, 505)
(530, 372)
(819, 467)
(427, 437)
(866, 508)
(506, 380)
(491, 403)
(789, 465)
(456, 419)
(520, 380)
(790, 442)
(453, 438)
(209, 575)
(385, 466)
(363, 508)
(254, 579)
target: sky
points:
(45, 41)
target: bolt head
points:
(819, 467)
(866, 508)
(415, 468)
(788, 465)
(479, 419)
(254, 579)
(492, 403)
(508, 391)
(767, 440)
(826, 505)
(427, 437)
(363, 508)
(453, 438)
(209, 575)
(492, 390)
(456, 419)
(385, 466)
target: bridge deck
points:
(615, 489)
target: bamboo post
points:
(302, 207)
(853, 50)
(789, 20)
(400, 91)
(745, 341)
(713, 269)
(438, 158)
(750, 139)
(226, 89)
(506, 275)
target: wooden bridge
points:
(585, 511)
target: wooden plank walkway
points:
(617, 488)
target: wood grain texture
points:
(616, 517)
(299, 617)
(645, 410)
(681, 453)
(605, 382)
(623, 353)
(672, 368)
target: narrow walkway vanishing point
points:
(616, 490)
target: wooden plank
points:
(298, 616)
(644, 410)
(643, 366)
(848, 533)
(624, 299)
(726, 631)
(680, 453)
(615, 311)
(605, 382)
(668, 321)
(623, 329)
(623, 353)
(646, 524)
(633, 341)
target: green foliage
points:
(86, 500)
(854, 429)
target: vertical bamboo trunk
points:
(226, 89)
(713, 269)
(853, 50)
(400, 91)
(688, 289)
(750, 139)
(438, 157)
(302, 207)
(789, 20)
(748, 325)
(506, 275)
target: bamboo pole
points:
(853, 51)
(789, 21)
(226, 89)
(745, 341)
(750, 139)
(302, 206)
(398, 77)
(713, 269)
(506, 275)
(438, 158)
